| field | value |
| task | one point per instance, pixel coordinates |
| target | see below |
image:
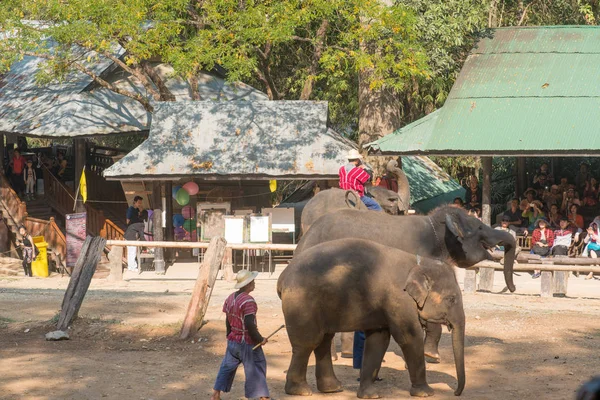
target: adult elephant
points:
(355, 284)
(447, 233)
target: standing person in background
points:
(28, 249)
(133, 212)
(473, 194)
(30, 177)
(354, 176)
(17, 165)
(135, 231)
(581, 178)
(242, 336)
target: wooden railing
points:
(62, 199)
(13, 204)
(110, 231)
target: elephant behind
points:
(354, 284)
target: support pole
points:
(79, 148)
(521, 176)
(169, 217)
(157, 229)
(486, 211)
(1, 152)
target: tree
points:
(293, 49)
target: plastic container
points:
(39, 266)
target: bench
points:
(554, 272)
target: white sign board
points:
(234, 230)
(259, 229)
(282, 219)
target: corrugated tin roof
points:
(261, 139)
(74, 108)
(427, 180)
(522, 91)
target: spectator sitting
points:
(530, 194)
(549, 179)
(563, 238)
(574, 217)
(592, 249)
(533, 213)
(542, 240)
(570, 197)
(552, 197)
(590, 194)
(554, 217)
(541, 185)
(474, 212)
(458, 202)
(473, 194)
(581, 178)
(514, 215)
(564, 185)
(504, 226)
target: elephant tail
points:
(349, 202)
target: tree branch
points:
(265, 71)
(318, 52)
(165, 92)
(132, 95)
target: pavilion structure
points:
(522, 92)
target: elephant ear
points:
(418, 286)
(453, 225)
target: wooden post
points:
(169, 235)
(547, 286)
(2, 153)
(80, 152)
(470, 283)
(80, 280)
(115, 256)
(347, 344)
(561, 281)
(159, 258)
(486, 279)
(486, 210)
(203, 288)
(521, 176)
(227, 268)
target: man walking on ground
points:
(242, 336)
(354, 176)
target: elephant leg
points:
(414, 355)
(376, 345)
(326, 379)
(347, 344)
(334, 356)
(295, 381)
(433, 334)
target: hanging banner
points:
(76, 232)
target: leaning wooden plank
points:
(91, 259)
(203, 288)
(76, 271)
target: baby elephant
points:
(353, 284)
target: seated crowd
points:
(549, 212)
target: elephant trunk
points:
(403, 186)
(502, 238)
(458, 345)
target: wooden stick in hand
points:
(277, 330)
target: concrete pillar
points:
(486, 210)
(156, 199)
(169, 236)
(521, 176)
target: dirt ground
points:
(125, 346)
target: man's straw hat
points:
(354, 155)
(244, 277)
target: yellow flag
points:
(273, 185)
(83, 186)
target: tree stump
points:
(207, 276)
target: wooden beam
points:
(486, 198)
(540, 267)
(207, 275)
(202, 245)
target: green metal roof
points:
(522, 91)
(430, 186)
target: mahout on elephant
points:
(447, 233)
(327, 201)
(355, 284)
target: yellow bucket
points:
(39, 266)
